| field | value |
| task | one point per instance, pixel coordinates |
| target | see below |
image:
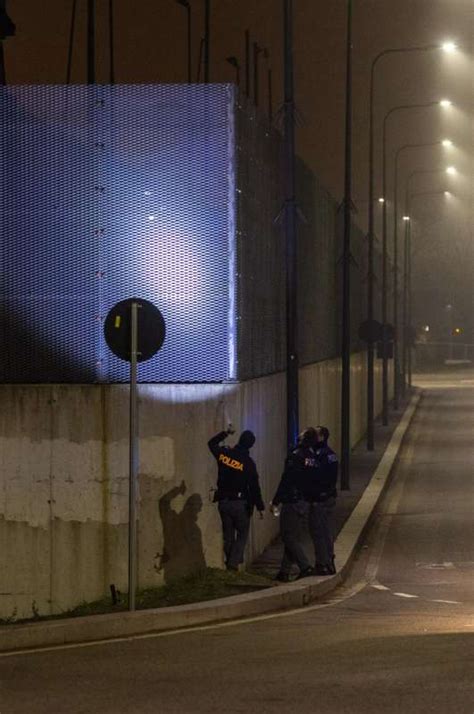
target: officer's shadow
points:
(182, 540)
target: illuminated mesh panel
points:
(260, 247)
(49, 253)
(166, 209)
(110, 193)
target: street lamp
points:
(393, 110)
(187, 6)
(370, 272)
(406, 355)
(396, 352)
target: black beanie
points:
(246, 439)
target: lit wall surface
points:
(109, 193)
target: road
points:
(397, 637)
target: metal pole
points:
(71, 42)
(396, 341)
(384, 280)
(111, 42)
(290, 231)
(256, 53)
(247, 63)
(346, 271)
(190, 63)
(370, 270)
(409, 307)
(133, 473)
(207, 39)
(90, 41)
(270, 96)
(405, 306)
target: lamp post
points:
(290, 229)
(393, 110)
(257, 50)
(346, 270)
(396, 351)
(187, 6)
(406, 353)
(207, 39)
(448, 47)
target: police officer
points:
(238, 491)
(292, 493)
(322, 497)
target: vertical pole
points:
(270, 96)
(71, 42)
(256, 52)
(3, 79)
(207, 39)
(111, 42)
(190, 63)
(346, 271)
(290, 230)
(133, 472)
(396, 339)
(247, 63)
(370, 273)
(409, 309)
(90, 41)
(384, 279)
(404, 309)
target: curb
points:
(95, 628)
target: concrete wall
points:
(64, 478)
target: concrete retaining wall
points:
(64, 478)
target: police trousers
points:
(293, 527)
(320, 528)
(235, 519)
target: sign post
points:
(134, 331)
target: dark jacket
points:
(237, 475)
(300, 472)
(310, 475)
(324, 486)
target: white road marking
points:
(448, 602)
(377, 586)
(406, 595)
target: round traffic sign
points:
(151, 329)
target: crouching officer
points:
(299, 472)
(322, 498)
(238, 492)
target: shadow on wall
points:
(182, 539)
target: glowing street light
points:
(406, 218)
(445, 103)
(451, 170)
(381, 199)
(447, 142)
(449, 47)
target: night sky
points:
(150, 47)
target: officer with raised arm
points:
(238, 492)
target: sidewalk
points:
(370, 474)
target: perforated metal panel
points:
(110, 193)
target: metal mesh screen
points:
(110, 193)
(260, 247)
(171, 193)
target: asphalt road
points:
(398, 637)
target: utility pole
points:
(346, 271)
(90, 41)
(290, 230)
